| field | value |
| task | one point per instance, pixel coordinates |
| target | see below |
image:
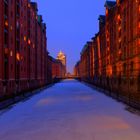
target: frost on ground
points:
(69, 111)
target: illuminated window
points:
(18, 57)
(29, 41)
(25, 38)
(6, 23)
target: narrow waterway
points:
(69, 110)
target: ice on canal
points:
(69, 110)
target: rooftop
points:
(110, 4)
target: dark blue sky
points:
(70, 24)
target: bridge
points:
(57, 79)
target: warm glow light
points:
(106, 12)
(99, 54)
(119, 29)
(109, 70)
(6, 23)
(108, 49)
(29, 41)
(139, 41)
(18, 56)
(33, 45)
(120, 52)
(119, 17)
(11, 53)
(120, 40)
(25, 38)
(29, 5)
(11, 28)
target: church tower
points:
(62, 57)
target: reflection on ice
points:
(69, 111)
(107, 123)
(52, 101)
(46, 101)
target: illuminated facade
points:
(62, 57)
(77, 70)
(49, 69)
(58, 68)
(23, 54)
(116, 52)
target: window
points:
(124, 69)
(131, 67)
(11, 67)
(5, 39)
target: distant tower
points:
(62, 57)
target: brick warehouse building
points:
(58, 69)
(23, 53)
(116, 52)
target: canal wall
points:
(118, 93)
(6, 101)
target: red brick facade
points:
(116, 61)
(58, 69)
(49, 69)
(23, 50)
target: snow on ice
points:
(69, 110)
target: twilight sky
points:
(70, 24)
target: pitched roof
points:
(84, 48)
(110, 4)
(34, 5)
(102, 18)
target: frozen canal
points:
(69, 111)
